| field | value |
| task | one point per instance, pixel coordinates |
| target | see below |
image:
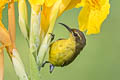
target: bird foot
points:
(53, 36)
(45, 63)
(51, 68)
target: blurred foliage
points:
(98, 61)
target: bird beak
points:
(68, 28)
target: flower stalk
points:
(17, 62)
(1, 64)
(46, 41)
(18, 66)
(35, 29)
(34, 72)
(23, 18)
(11, 23)
(34, 40)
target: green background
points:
(100, 59)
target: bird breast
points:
(61, 52)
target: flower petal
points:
(47, 15)
(3, 2)
(73, 3)
(49, 3)
(92, 15)
(64, 4)
(4, 35)
(0, 13)
(36, 2)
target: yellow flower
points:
(46, 13)
(49, 3)
(3, 2)
(36, 2)
(92, 15)
(73, 3)
(41, 2)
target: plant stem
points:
(34, 72)
(16, 60)
(34, 41)
(46, 41)
(35, 30)
(11, 23)
(18, 66)
(1, 65)
(23, 18)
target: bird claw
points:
(45, 63)
(51, 68)
(52, 36)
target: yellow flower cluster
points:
(47, 13)
(92, 15)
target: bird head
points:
(77, 34)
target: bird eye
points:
(75, 34)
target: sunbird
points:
(64, 51)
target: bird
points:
(62, 52)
